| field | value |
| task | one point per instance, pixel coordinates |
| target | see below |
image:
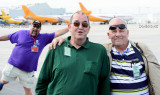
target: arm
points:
(61, 32)
(45, 75)
(153, 69)
(4, 38)
(55, 41)
(104, 81)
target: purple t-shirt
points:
(21, 56)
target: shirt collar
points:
(85, 45)
(127, 49)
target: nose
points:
(80, 26)
(35, 28)
(118, 31)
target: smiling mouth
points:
(34, 31)
(80, 32)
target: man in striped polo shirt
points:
(133, 66)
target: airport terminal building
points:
(38, 9)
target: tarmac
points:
(148, 34)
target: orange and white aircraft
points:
(104, 17)
(91, 18)
(30, 15)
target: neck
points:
(77, 43)
(121, 48)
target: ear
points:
(89, 28)
(69, 26)
(108, 35)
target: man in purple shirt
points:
(24, 58)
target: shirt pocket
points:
(90, 68)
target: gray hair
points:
(79, 13)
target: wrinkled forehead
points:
(116, 21)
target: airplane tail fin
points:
(82, 6)
(3, 13)
(83, 9)
(27, 12)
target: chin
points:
(80, 37)
(118, 44)
(34, 34)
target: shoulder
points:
(19, 33)
(22, 31)
(96, 45)
(47, 34)
(141, 45)
(143, 48)
(61, 47)
(108, 46)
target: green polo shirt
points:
(70, 71)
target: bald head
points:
(118, 33)
(117, 21)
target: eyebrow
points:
(79, 21)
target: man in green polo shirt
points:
(77, 67)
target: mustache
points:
(118, 37)
(34, 34)
(34, 30)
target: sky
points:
(96, 6)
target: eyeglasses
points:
(120, 26)
(77, 23)
(37, 26)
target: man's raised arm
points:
(4, 38)
(61, 32)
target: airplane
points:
(92, 18)
(30, 15)
(7, 19)
(103, 17)
(125, 17)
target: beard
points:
(34, 34)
